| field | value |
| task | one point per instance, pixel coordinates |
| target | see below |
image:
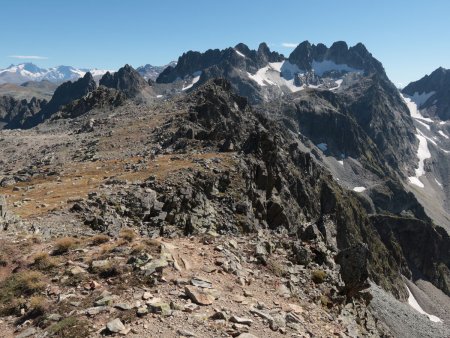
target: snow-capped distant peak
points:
(30, 72)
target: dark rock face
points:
(419, 248)
(64, 94)
(14, 113)
(437, 104)
(238, 64)
(230, 63)
(377, 125)
(70, 91)
(356, 57)
(101, 97)
(354, 267)
(378, 108)
(127, 80)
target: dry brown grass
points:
(43, 261)
(64, 244)
(100, 239)
(138, 248)
(21, 284)
(38, 305)
(108, 247)
(127, 234)
(81, 178)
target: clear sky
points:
(410, 37)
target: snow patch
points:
(239, 53)
(288, 70)
(438, 183)
(359, 189)
(415, 305)
(413, 110)
(420, 99)
(443, 134)
(322, 146)
(422, 153)
(338, 84)
(277, 74)
(196, 77)
(261, 77)
(423, 124)
(341, 162)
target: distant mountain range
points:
(24, 72)
(150, 72)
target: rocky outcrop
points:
(128, 81)
(64, 94)
(99, 98)
(14, 113)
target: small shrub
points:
(24, 283)
(138, 249)
(318, 276)
(38, 304)
(127, 234)
(70, 327)
(100, 239)
(43, 261)
(37, 307)
(63, 245)
(276, 268)
(108, 247)
(109, 270)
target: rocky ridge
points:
(210, 165)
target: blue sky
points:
(410, 38)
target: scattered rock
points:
(202, 283)
(185, 333)
(198, 296)
(246, 335)
(115, 326)
(241, 320)
(142, 311)
(76, 270)
(123, 306)
(31, 331)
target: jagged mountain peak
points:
(127, 80)
(356, 57)
(432, 93)
(262, 74)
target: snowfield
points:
(196, 77)
(283, 73)
(413, 303)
